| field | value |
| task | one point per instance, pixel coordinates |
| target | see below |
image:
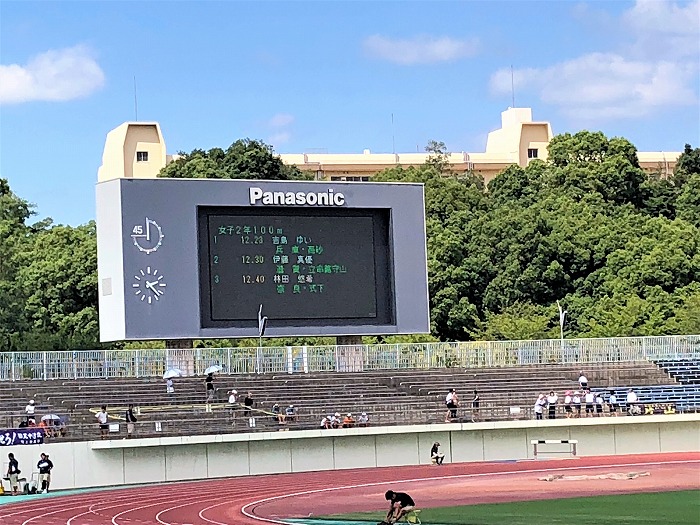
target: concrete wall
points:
(117, 462)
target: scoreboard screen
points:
(198, 258)
(301, 264)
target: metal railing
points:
(304, 359)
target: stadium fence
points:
(87, 364)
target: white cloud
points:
(280, 120)
(56, 75)
(654, 71)
(422, 49)
(664, 29)
(279, 138)
(600, 86)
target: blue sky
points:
(309, 76)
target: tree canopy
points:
(618, 247)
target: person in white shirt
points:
(632, 400)
(169, 386)
(589, 398)
(101, 417)
(567, 404)
(539, 406)
(583, 381)
(612, 403)
(30, 411)
(576, 400)
(599, 404)
(336, 421)
(452, 402)
(363, 420)
(552, 399)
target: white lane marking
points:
(436, 478)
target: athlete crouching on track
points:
(401, 504)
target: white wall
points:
(118, 462)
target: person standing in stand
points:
(476, 401)
(130, 420)
(209, 383)
(452, 402)
(248, 408)
(552, 399)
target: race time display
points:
(209, 258)
(301, 264)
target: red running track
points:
(257, 500)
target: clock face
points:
(147, 237)
(149, 285)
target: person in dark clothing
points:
(436, 455)
(44, 466)
(130, 420)
(209, 382)
(401, 504)
(13, 473)
(248, 409)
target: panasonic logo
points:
(299, 198)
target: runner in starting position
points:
(401, 504)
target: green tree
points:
(689, 162)
(58, 282)
(688, 202)
(520, 321)
(244, 159)
(14, 233)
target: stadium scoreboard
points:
(203, 258)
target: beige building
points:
(137, 150)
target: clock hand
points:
(150, 285)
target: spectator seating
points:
(388, 396)
(686, 372)
(686, 398)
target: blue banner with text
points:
(22, 436)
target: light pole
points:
(562, 319)
(262, 324)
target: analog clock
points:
(147, 237)
(149, 285)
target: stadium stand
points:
(389, 397)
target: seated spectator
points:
(348, 421)
(335, 420)
(291, 413)
(169, 386)
(435, 455)
(363, 420)
(278, 415)
(45, 425)
(326, 422)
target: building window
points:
(532, 153)
(141, 156)
(336, 178)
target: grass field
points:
(665, 508)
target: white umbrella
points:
(213, 369)
(173, 372)
(52, 417)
